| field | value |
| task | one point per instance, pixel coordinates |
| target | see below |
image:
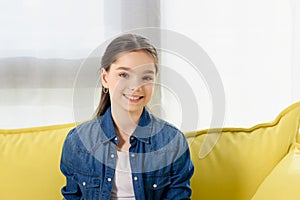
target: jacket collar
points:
(142, 131)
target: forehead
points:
(135, 60)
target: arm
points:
(71, 190)
(182, 171)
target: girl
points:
(126, 152)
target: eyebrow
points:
(148, 71)
(123, 68)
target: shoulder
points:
(86, 131)
(164, 132)
(160, 124)
(85, 127)
(167, 138)
(89, 125)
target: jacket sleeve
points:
(182, 171)
(71, 190)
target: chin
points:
(134, 108)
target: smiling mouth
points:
(132, 98)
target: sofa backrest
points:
(29, 162)
(241, 158)
(233, 169)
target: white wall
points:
(295, 5)
(250, 43)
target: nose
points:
(134, 84)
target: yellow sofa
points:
(259, 163)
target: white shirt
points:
(122, 188)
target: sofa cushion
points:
(29, 162)
(241, 158)
(283, 181)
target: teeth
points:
(132, 98)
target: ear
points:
(104, 78)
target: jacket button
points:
(83, 183)
(135, 178)
(154, 186)
(109, 179)
(132, 155)
(112, 155)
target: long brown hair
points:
(121, 44)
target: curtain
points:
(50, 56)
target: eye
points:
(124, 75)
(147, 78)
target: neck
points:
(126, 121)
(125, 124)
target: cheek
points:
(149, 88)
(115, 83)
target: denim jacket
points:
(159, 158)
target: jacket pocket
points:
(156, 185)
(89, 186)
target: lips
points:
(133, 98)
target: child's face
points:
(130, 80)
